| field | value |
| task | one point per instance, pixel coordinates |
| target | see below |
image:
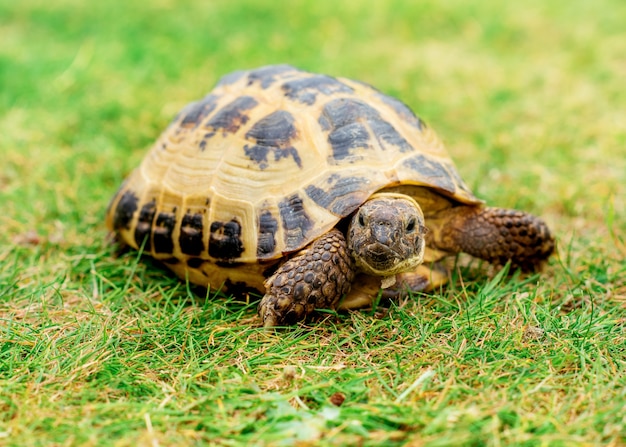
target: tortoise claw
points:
(316, 278)
(269, 318)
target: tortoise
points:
(314, 191)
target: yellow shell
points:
(264, 164)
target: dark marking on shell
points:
(205, 138)
(162, 235)
(388, 135)
(341, 112)
(306, 90)
(276, 129)
(346, 138)
(345, 119)
(432, 172)
(125, 210)
(266, 76)
(232, 116)
(171, 261)
(225, 241)
(459, 181)
(344, 133)
(273, 134)
(190, 238)
(295, 220)
(339, 195)
(195, 263)
(268, 226)
(144, 225)
(403, 111)
(197, 111)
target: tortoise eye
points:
(410, 226)
(361, 220)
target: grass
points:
(101, 350)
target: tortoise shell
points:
(268, 161)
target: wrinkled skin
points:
(386, 235)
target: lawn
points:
(99, 349)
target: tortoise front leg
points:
(495, 234)
(316, 278)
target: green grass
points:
(104, 350)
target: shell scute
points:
(295, 221)
(267, 229)
(305, 90)
(266, 76)
(125, 209)
(430, 172)
(225, 242)
(162, 237)
(339, 194)
(401, 109)
(199, 110)
(232, 116)
(143, 229)
(354, 126)
(191, 240)
(273, 135)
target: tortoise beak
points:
(381, 256)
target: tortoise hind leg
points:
(316, 278)
(495, 234)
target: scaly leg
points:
(316, 278)
(494, 234)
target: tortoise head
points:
(386, 235)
